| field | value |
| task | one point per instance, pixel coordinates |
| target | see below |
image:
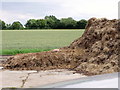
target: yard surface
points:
(27, 41)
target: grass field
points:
(26, 41)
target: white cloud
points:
(97, 8)
(10, 17)
(77, 9)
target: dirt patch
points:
(96, 52)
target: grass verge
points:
(21, 51)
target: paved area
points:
(28, 79)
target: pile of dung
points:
(96, 52)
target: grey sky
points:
(22, 10)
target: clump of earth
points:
(97, 51)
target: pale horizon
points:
(23, 10)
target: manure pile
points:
(96, 52)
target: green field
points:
(26, 41)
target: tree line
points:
(49, 22)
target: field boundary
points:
(48, 30)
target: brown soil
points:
(96, 52)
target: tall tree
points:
(41, 24)
(17, 25)
(2, 25)
(31, 24)
(81, 24)
(52, 22)
(68, 23)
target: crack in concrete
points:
(24, 81)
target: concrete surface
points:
(52, 76)
(28, 79)
(97, 81)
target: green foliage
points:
(31, 24)
(2, 25)
(49, 22)
(40, 23)
(68, 23)
(16, 25)
(81, 24)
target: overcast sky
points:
(22, 10)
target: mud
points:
(96, 52)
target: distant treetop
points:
(49, 22)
